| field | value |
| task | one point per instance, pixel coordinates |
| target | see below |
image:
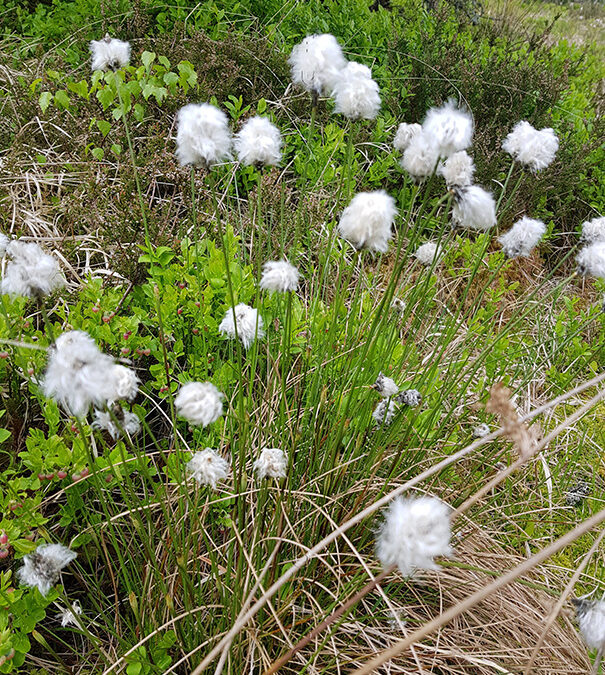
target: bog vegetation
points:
(301, 339)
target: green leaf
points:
(62, 99)
(116, 148)
(261, 106)
(106, 97)
(98, 153)
(45, 100)
(80, 88)
(139, 112)
(104, 127)
(4, 435)
(147, 58)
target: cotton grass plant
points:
(242, 524)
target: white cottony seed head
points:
(69, 616)
(413, 533)
(404, 135)
(593, 231)
(481, 430)
(42, 568)
(421, 155)
(128, 422)
(523, 236)
(203, 137)
(355, 93)
(410, 397)
(258, 142)
(450, 126)
(272, 463)
(248, 321)
(4, 242)
(534, 148)
(384, 412)
(427, 253)
(109, 54)
(458, 169)
(200, 403)
(474, 209)
(591, 261)
(385, 386)
(591, 618)
(279, 275)
(368, 219)
(30, 272)
(316, 63)
(208, 467)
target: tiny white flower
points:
(368, 219)
(450, 126)
(458, 169)
(421, 156)
(534, 148)
(591, 618)
(385, 386)
(42, 568)
(208, 467)
(404, 135)
(316, 63)
(30, 272)
(384, 412)
(247, 320)
(258, 142)
(523, 236)
(109, 53)
(474, 208)
(409, 397)
(279, 275)
(200, 403)
(398, 305)
(355, 93)
(427, 253)
(4, 242)
(481, 430)
(128, 422)
(69, 615)
(591, 261)
(203, 136)
(272, 463)
(414, 531)
(593, 231)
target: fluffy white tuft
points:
(591, 261)
(42, 568)
(203, 137)
(248, 321)
(427, 253)
(522, 237)
(30, 272)
(355, 93)
(474, 209)
(409, 397)
(404, 135)
(200, 403)
(534, 148)
(128, 422)
(368, 219)
(458, 169)
(78, 374)
(385, 386)
(4, 242)
(591, 618)
(272, 463)
(279, 275)
(384, 412)
(450, 126)
(481, 430)
(316, 63)
(109, 54)
(420, 156)
(414, 531)
(68, 616)
(398, 305)
(208, 467)
(258, 142)
(593, 231)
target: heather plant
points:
(326, 409)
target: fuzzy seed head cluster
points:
(474, 209)
(258, 142)
(247, 320)
(128, 423)
(409, 397)
(200, 403)
(404, 135)
(413, 533)
(41, 569)
(316, 63)
(30, 272)
(451, 128)
(427, 253)
(531, 147)
(420, 156)
(457, 170)
(367, 221)
(79, 375)
(591, 618)
(280, 276)
(591, 260)
(109, 54)
(593, 231)
(523, 236)
(384, 412)
(481, 430)
(355, 93)
(272, 463)
(385, 386)
(69, 616)
(203, 137)
(208, 467)
(4, 242)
